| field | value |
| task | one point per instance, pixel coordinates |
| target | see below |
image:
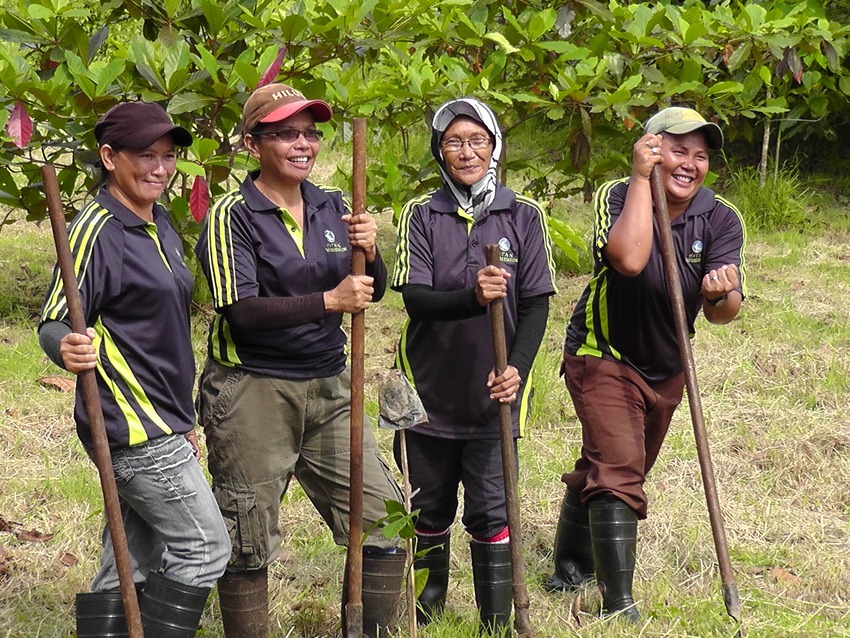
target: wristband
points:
(716, 303)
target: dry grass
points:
(774, 388)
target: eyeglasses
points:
(291, 134)
(454, 144)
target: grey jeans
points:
(171, 519)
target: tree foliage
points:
(582, 68)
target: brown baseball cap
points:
(679, 120)
(138, 125)
(276, 102)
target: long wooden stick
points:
(87, 384)
(354, 604)
(674, 288)
(412, 626)
(522, 624)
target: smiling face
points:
(287, 162)
(467, 165)
(683, 168)
(138, 176)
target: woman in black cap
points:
(135, 292)
(447, 353)
(274, 394)
(621, 359)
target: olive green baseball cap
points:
(679, 120)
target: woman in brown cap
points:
(621, 359)
(274, 394)
(135, 292)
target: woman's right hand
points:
(77, 352)
(492, 284)
(353, 294)
(643, 157)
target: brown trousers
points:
(624, 420)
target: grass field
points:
(774, 390)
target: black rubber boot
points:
(432, 600)
(383, 575)
(613, 530)
(100, 614)
(573, 550)
(491, 576)
(171, 609)
(244, 601)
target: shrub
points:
(779, 204)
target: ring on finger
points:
(655, 150)
(715, 278)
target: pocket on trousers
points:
(242, 518)
(214, 402)
(122, 468)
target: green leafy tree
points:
(580, 70)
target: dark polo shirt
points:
(448, 361)
(629, 319)
(248, 249)
(135, 292)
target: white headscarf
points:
(474, 199)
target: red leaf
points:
(7, 526)
(68, 559)
(795, 64)
(33, 536)
(199, 199)
(5, 561)
(728, 50)
(270, 74)
(63, 384)
(784, 575)
(28, 535)
(19, 126)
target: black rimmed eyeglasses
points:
(291, 134)
(477, 143)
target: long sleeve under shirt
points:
(267, 313)
(426, 304)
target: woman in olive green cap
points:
(621, 357)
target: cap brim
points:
(148, 136)
(713, 134)
(320, 110)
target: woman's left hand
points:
(505, 387)
(363, 232)
(720, 282)
(192, 439)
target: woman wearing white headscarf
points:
(446, 349)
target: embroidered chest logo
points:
(507, 255)
(331, 245)
(695, 256)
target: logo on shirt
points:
(695, 256)
(505, 253)
(331, 244)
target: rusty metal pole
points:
(674, 288)
(354, 604)
(522, 624)
(87, 384)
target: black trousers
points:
(438, 466)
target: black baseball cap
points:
(138, 125)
